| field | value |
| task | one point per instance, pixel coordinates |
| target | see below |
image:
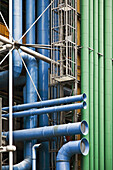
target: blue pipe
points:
(17, 33)
(45, 133)
(46, 103)
(4, 75)
(55, 109)
(31, 96)
(43, 37)
(68, 150)
(24, 165)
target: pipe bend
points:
(25, 164)
(17, 64)
(71, 148)
(28, 58)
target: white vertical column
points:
(10, 91)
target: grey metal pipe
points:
(5, 40)
(37, 55)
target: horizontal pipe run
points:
(32, 112)
(50, 131)
(46, 103)
(68, 150)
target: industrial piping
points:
(48, 132)
(17, 33)
(24, 165)
(68, 150)
(43, 37)
(85, 67)
(91, 98)
(101, 83)
(31, 96)
(108, 85)
(46, 103)
(34, 156)
(42, 111)
(45, 133)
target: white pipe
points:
(34, 156)
(5, 40)
(37, 55)
(10, 90)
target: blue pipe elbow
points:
(68, 150)
(24, 165)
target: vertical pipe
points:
(85, 66)
(101, 83)
(10, 90)
(112, 80)
(34, 156)
(108, 84)
(95, 89)
(31, 62)
(43, 37)
(17, 33)
(91, 124)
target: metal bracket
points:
(7, 148)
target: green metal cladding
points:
(96, 81)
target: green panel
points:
(85, 67)
(95, 89)
(108, 84)
(101, 85)
(91, 124)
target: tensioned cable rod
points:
(29, 76)
(35, 21)
(6, 24)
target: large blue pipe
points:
(68, 150)
(46, 103)
(45, 133)
(4, 78)
(43, 37)
(17, 33)
(32, 67)
(48, 110)
(31, 96)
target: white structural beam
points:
(10, 87)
